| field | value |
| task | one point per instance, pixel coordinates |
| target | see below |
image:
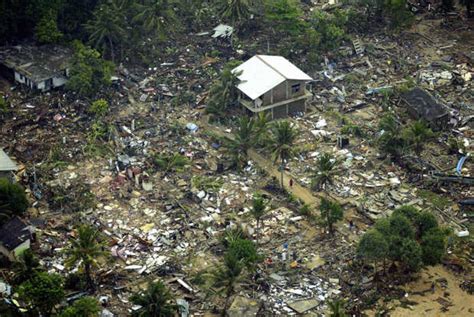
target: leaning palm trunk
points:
(282, 169)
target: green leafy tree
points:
(425, 222)
(226, 277)
(261, 122)
(285, 16)
(171, 162)
(433, 246)
(410, 254)
(84, 250)
(259, 208)
(282, 143)
(47, 29)
(89, 72)
(26, 267)
(331, 28)
(99, 107)
(107, 28)
(156, 301)
(84, 307)
(157, 18)
(331, 212)
(416, 135)
(336, 308)
(398, 13)
(409, 212)
(243, 140)
(42, 292)
(326, 169)
(244, 250)
(13, 200)
(373, 247)
(223, 93)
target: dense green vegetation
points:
(409, 238)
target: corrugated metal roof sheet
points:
(6, 164)
(264, 72)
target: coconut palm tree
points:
(227, 276)
(85, 249)
(259, 208)
(416, 135)
(156, 301)
(107, 27)
(336, 308)
(282, 143)
(156, 17)
(325, 172)
(235, 10)
(223, 93)
(26, 267)
(242, 141)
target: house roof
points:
(13, 233)
(6, 164)
(36, 62)
(264, 72)
(424, 104)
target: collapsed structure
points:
(15, 238)
(38, 67)
(423, 106)
(272, 84)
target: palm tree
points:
(223, 93)
(326, 170)
(84, 250)
(258, 210)
(261, 128)
(242, 141)
(226, 276)
(235, 10)
(156, 17)
(282, 143)
(156, 301)
(108, 25)
(26, 267)
(416, 135)
(337, 309)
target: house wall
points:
(283, 92)
(6, 253)
(59, 81)
(21, 248)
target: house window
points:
(295, 88)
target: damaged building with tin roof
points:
(37, 67)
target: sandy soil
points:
(429, 304)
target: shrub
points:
(433, 245)
(12, 198)
(99, 107)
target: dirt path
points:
(267, 165)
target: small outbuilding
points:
(38, 67)
(272, 84)
(423, 106)
(7, 166)
(15, 238)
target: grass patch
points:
(434, 199)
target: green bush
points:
(84, 307)
(99, 107)
(244, 250)
(43, 292)
(13, 200)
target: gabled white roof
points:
(6, 164)
(264, 72)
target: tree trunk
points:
(112, 53)
(282, 168)
(258, 230)
(90, 282)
